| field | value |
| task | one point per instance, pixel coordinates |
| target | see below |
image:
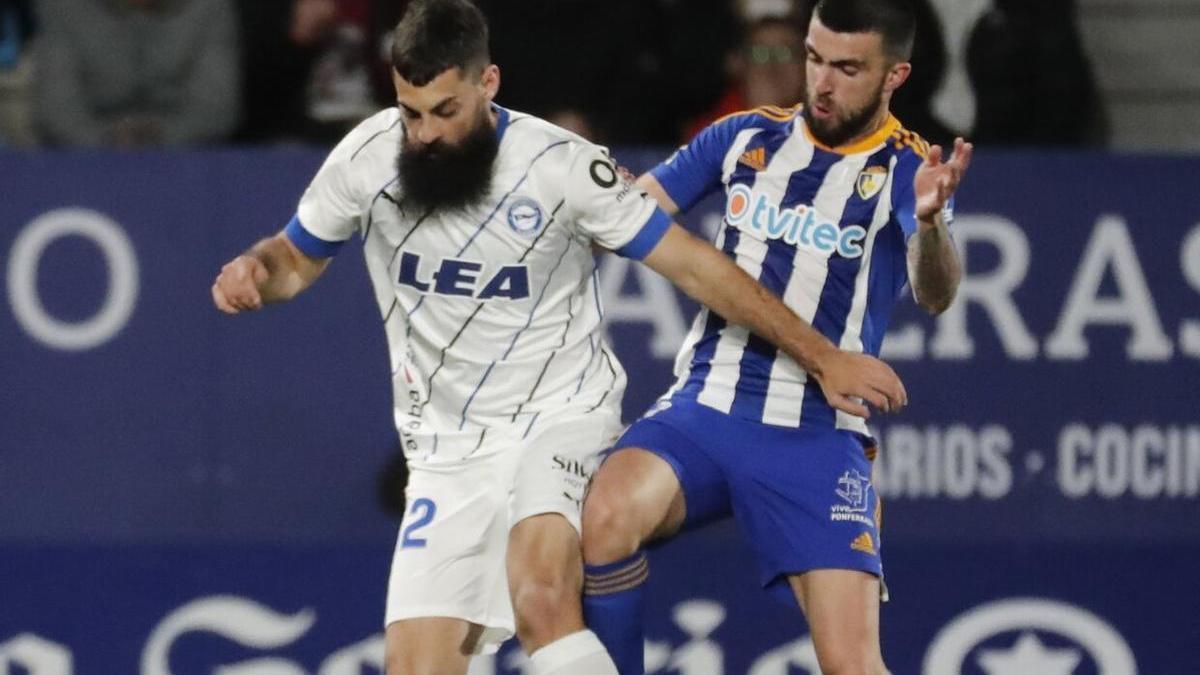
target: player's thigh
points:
(430, 646)
(635, 497)
(662, 478)
(842, 609)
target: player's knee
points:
(541, 606)
(610, 530)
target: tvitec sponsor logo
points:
(798, 225)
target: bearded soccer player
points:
(478, 226)
(836, 208)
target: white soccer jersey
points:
(492, 313)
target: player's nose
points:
(429, 132)
(822, 80)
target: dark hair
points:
(893, 19)
(437, 35)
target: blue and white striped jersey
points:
(492, 314)
(823, 228)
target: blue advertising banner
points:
(184, 492)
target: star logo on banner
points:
(1028, 655)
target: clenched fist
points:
(237, 286)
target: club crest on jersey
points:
(525, 216)
(870, 181)
(466, 278)
(798, 225)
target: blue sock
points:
(614, 601)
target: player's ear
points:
(490, 81)
(896, 76)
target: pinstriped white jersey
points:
(492, 314)
(823, 228)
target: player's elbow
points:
(935, 303)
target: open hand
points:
(937, 180)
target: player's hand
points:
(937, 180)
(851, 380)
(237, 286)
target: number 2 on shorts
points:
(427, 509)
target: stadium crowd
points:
(129, 73)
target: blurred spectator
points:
(629, 70)
(281, 41)
(967, 78)
(315, 68)
(129, 73)
(339, 91)
(16, 27)
(766, 69)
(1051, 102)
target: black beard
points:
(837, 132)
(444, 176)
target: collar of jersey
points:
(870, 142)
(501, 121)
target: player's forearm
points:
(933, 265)
(284, 280)
(715, 281)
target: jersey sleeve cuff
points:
(678, 190)
(309, 243)
(648, 237)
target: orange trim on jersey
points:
(755, 159)
(882, 134)
(768, 111)
(911, 139)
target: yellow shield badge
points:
(870, 181)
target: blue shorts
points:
(803, 497)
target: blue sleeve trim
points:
(904, 205)
(683, 187)
(309, 243)
(648, 237)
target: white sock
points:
(575, 654)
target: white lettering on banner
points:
(655, 305)
(956, 462)
(1147, 462)
(253, 625)
(1110, 247)
(243, 621)
(1189, 259)
(904, 344)
(1085, 632)
(269, 665)
(991, 290)
(119, 257)
(34, 655)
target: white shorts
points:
(450, 554)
